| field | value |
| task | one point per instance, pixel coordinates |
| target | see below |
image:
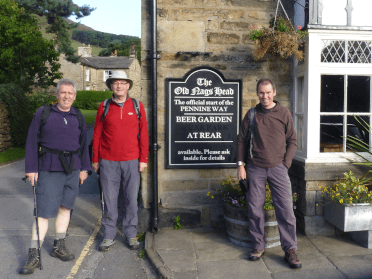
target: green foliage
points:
(142, 254)
(141, 236)
(100, 39)
(19, 112)
(348, 190)
(40, 98)
(55, 11)
(89, 115)
(177, 224)
(12, 154)
(123, 49)
(90, 100)
(255, 34)
(357, 145)
(26, 58)
(231, 193)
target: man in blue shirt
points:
(57, 158)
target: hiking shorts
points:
(55, 189)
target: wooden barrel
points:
(237, 227)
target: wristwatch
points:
(84, 171)
(240, 163)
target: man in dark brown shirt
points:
(274, 145)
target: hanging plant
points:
(280, 39)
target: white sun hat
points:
(118, 75)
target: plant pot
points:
(349, 218)
(237, 227)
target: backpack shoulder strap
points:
(44, 117)
(80, 117)
(106, 106)
(137, 109)
(252, 118)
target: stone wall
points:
(71, 71)
(4, 128)
(211, 33)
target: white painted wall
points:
(334, 12)
(362, 13)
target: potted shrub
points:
(348, 204)
(236, 214)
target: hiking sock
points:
(34, 244)
(60, 235)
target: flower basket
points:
(280, 40)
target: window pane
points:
(300, 97)
(300, 122)
(332, 94)
(359, 52)
(358, 93)
(358, 128)
(331, 132)
(333, 51)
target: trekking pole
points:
(37, 221)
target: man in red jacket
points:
(120, 150)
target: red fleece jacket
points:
(118, 139)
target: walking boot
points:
(32, 262)
(255, 255)
(60, 251)
(291, 258)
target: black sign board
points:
(204, 114)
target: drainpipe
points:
(154, 57)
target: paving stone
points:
(219, 236)
(215, 251)
(356, 266)
(173, 240)
(304, 244)
(310, 261)
(186, 275)
(339, 245)
(232, 269)
(178, 260)
(310, 274)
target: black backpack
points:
(249, 137)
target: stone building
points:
(323, 92)
(210, 33)
(92, 71)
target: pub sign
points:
(203, 119)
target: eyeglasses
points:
(118, 83)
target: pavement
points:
(83, 240)
(207, 253)
(187, 253)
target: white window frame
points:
(87, 76)
(107, 74)
(313, 69)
